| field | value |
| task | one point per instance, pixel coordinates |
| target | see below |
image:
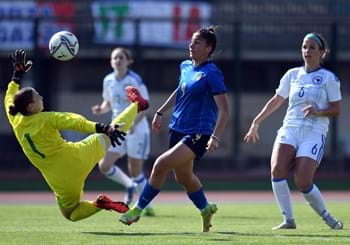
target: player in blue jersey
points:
(199, 117)
(314, 96)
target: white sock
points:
(282, 195)
(117, 175)
(315, 200)
(140, 180)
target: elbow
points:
(336, 111)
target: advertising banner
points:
(162, 23)
(17, 28)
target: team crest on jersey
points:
(317, 80)
(198, 76)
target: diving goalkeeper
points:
(64, 165)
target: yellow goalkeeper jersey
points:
(63, 164)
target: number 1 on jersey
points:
(32, 145)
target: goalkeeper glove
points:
(20, 65)
(113, 133)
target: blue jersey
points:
(195, 109)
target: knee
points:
(104, 168)
(72, 219)
(303, 185)
(278, 172)
(183, 179)
(159, 167)
(68, 215)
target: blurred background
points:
(258, 40)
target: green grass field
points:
(243, 223)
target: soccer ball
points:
(64, 45)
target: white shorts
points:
(135, 145)
(307, 143)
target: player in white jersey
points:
(137, 141)
(314, 96)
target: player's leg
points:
(305, 169)
(138, 103)
(69, 193)
(162, 166)
(281, 160)
(111, 171)
(90, 151)
(73, 208)
(195, 147)
(185, 176)
(135, 166)
(138, 148)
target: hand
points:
(310, 111)
(156, 123)
(111, 130)
(252, 135)
(212, 144)
(20, 64)
(96, 109)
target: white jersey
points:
(317, 88)
(114, 91)
(137, 144)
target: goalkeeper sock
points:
(126, 117)
(83, 210)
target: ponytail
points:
(13, 110)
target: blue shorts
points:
(196, 142)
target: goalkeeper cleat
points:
(135, 96)
(207, 214)
(106, 203)
(333, 223)
(149, 212)
(288, 224)
(132, 216)
(129, 194)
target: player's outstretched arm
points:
(20, 65)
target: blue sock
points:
(198, 198)
(147, 195)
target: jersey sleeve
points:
(12, 89)
(216, 82)
(284, 86)
(105, 95)
(140, 85)
(333, 89)
(71, 121)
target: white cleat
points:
(333, 223)
(288, 224)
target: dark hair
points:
(209, 35)
(21, 100)
(125, 51)
(320, 40)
